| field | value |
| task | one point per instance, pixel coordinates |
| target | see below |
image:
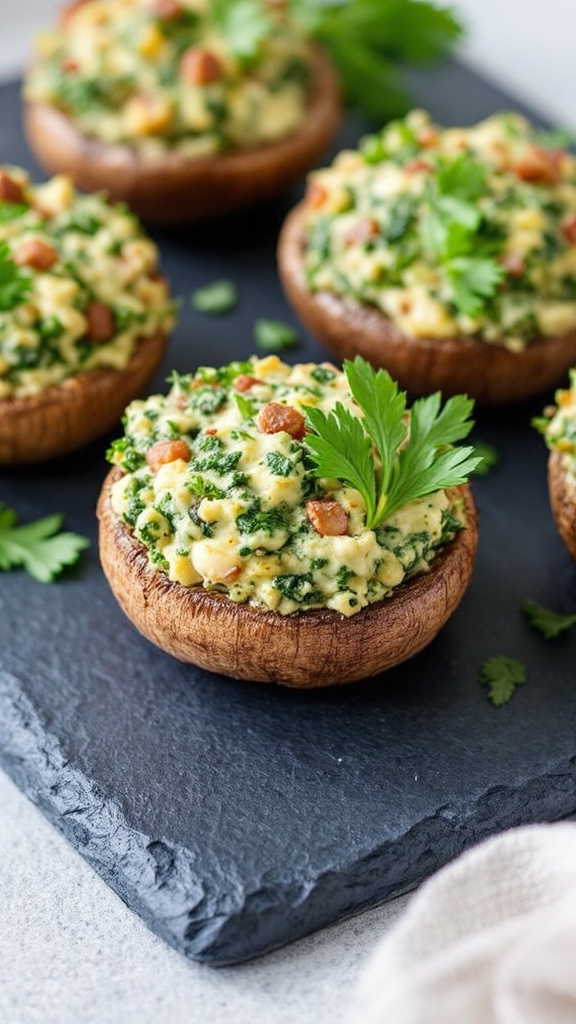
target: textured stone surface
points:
(234, 817)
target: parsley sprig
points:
(390, 455)
(453, 234)
(368, 41)
(502, 675)
(548, 623)
(38, 547)
(15, 284)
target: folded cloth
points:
(490, 939)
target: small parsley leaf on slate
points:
(502, 675)
(275, 336)
(38, 547)
(489, 457)
(215, 298)
(548, 623)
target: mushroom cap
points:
(174, 188)
(490, 373)
(562, 488)
(66, 416)
(308, 649)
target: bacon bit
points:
(417, 165)
(210, 431)
(244, 382)
(166, 10)
(10, 190)
(166, 451)
(68, 12)
(542, 166)
(513, 263)
(200, 67)
(231, 574)
(34, 252)
(316, 195)
(405, 305)
(100, 322)
(328, 518)
(569, 229)
(274, 418)
(364, 231)
(68, 65)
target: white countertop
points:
(70, 951)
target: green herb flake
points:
(38, 547)
(502, 675)
(216, 298)
(279, 465)
(548, 623)
(275, 336)
(11, 211)
(15, 284)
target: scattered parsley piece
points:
(415, 453)
(38, 547)
(216, 298)
(275, 336)
(548, 623)
(558, 138)
(502, 675)
(15, 284)
(489, 457)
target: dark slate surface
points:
(235, 817)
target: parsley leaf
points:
(489, 457)
(548, 623)
(11, 211)
(370, 40)
(415, 456)
(38, 547)
(243, 23)
(452, 231)
(274, 336)
(215, 298)
(473, 280)
(15, 284)
(502, 675)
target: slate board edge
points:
(153, 878)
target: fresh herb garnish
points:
(275, 336)
(11, 211)
(216, 298)
(15, 284)
(502, 675)
(38, 547)
(548, 623)
(243, 23)
(453, 234)
(414, 453)
(368, 40)
(489, 457)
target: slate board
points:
(235, 817)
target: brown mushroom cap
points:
(174, 188)
(489, 373)
(67, 416)
(307, 649)
(562, 488)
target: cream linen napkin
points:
(490, 939)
